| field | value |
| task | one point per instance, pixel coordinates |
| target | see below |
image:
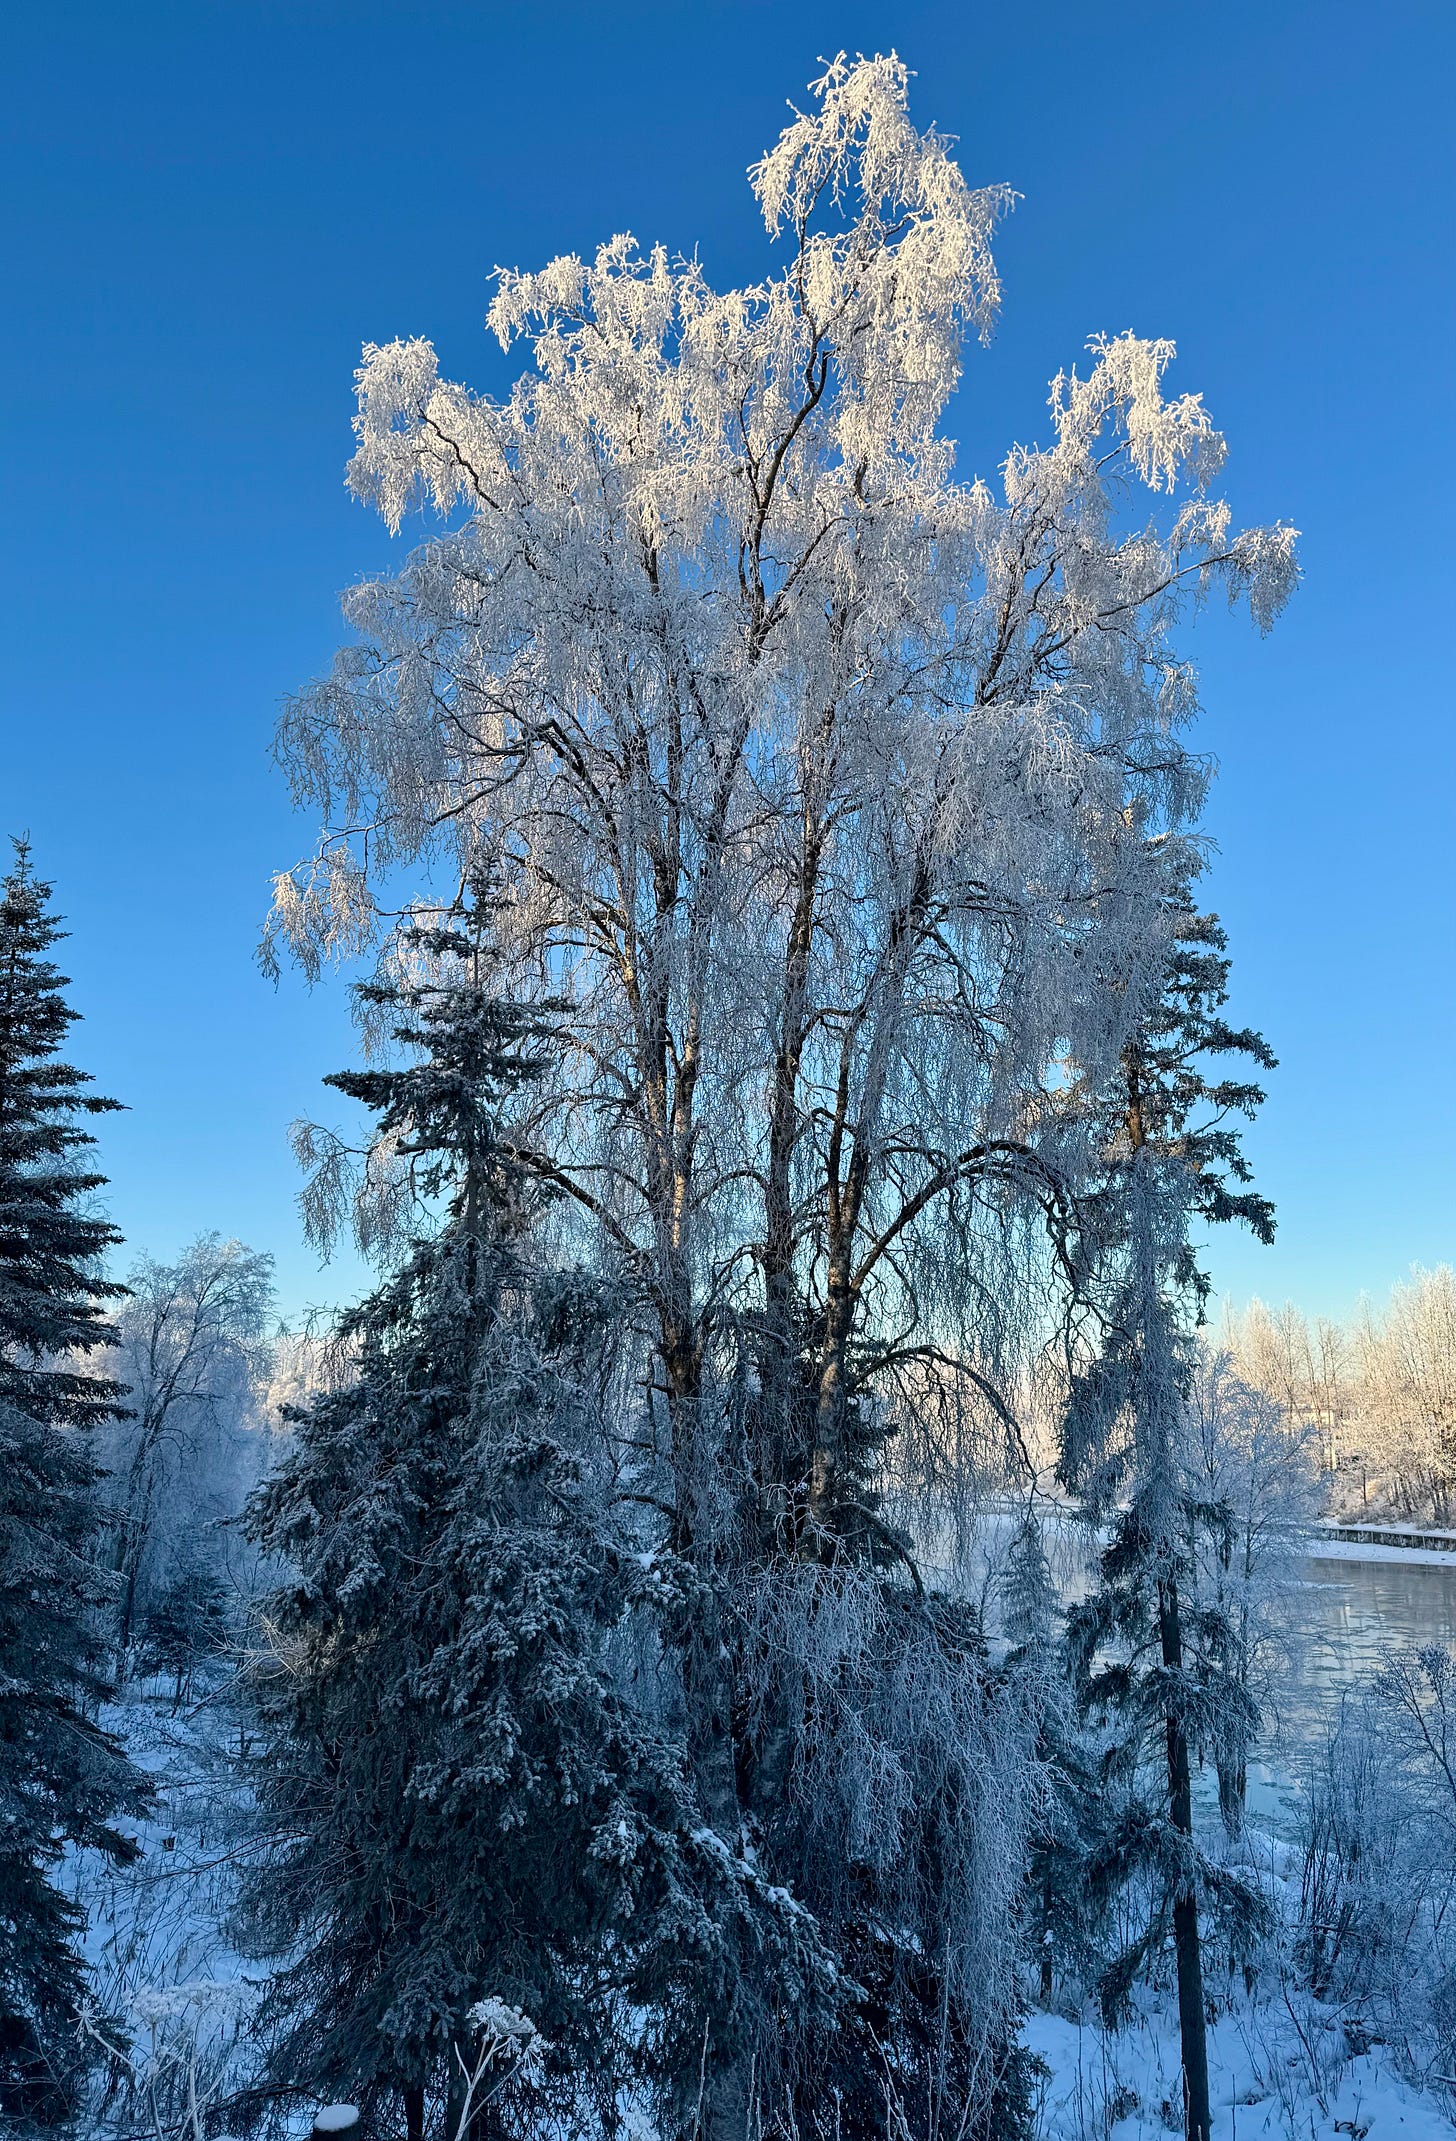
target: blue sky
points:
(210, 207)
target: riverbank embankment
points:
(1351, 1540)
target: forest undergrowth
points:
(175, 1999)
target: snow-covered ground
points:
(1282, 2066)
(1275, 2074)
(1323, 1548)
(170, 1991)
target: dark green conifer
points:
(185, 1625)
(1061, 1917)
(1147, 1657)
(62, 1778)
(468, 1808)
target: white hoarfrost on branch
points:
(833, 809)
(820, 782)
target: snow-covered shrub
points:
(1360, 1881)
(174, 2052)
(1373, 1929)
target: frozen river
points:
(1343, 1615)
(1347, 1612)
(1359, 1608)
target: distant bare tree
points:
(1261, 1466)
(191, 1350)
(1407, 1388)
(1380, 1390)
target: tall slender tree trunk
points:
(1192, 2025)
(1233, 1792)
(721, 2111)
(414, 2112)
(1047, 1976)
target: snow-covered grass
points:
(1278, 2072)
(171, 1994)
(1281, 2063)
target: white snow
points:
(1323, 1549)
(1274, 2076)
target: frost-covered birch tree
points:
(190, 1350)
(834, 795)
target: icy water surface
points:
(1346, 1613)
(1350, 1613)
(1342, 1615)
(1357, 1609)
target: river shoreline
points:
(1409, 1557)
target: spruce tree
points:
(469, 1809)
(62, 1778)
(1147, 1656)
(1068, 1825)
(186, 1624)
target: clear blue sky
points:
(210, 207)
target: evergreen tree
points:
(186, 1623)
(470, 1810)
(1147, 1655)
(62, 1779)
(1068, 1824)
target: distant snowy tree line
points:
(1376, 1393)
(814, 1047)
